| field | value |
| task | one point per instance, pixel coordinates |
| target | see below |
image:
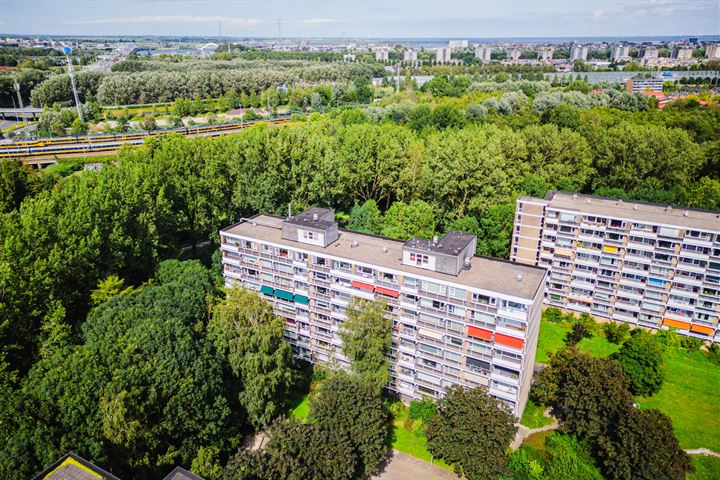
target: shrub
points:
(616, 333)
(691, 343)
(578, 332)
(641, 357)
(422, 409)
(552, 314)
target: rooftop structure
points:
(650, 265)
(459, 318)
(74, 467)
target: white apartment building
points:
(443, 54)
(458, 318)
(382, 54)
(620, 53)
(579, 52)
(712, 51)
(514, 54)
(682, 53)
(484, 53)
(545, 54)
(457, 44)
(410, 56)
(649, 265)
(650, 52)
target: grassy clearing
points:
(533, 416)
(690, 397)
(407, 435)
(302, 410)
(706, 468)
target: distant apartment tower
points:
(514, 54)
(579, 52)
(443, 54)
(484, 53)
(545, 54)
(410, 56)
(620, 53)
(650, 52)
(637, 85)
(456, 44)
(382, 54)
(459, 319)
(645, 264)
(712, 51)
(349, 57)
(682, 53)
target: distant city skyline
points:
(369, 18)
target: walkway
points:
(401, 466)
(524, 432)
(702, 451)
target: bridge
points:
(25, 113)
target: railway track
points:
(108, 143)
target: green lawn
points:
(406, 436)
(302, 410)
(690, 397)
(706, 468)
(533, 416)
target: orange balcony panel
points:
(702, 329)
(509, 341)
(364, 286)
(480, 333)
(676, 323)
(388, 292)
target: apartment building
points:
(458, 318)
(443, 54)
(382, 54)
(410, 56)
(457, 44)
(619, 53)
(484, 53)
(579, 52)
(545, 54)
(648, 265)
(639, 85)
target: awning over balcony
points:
(364, 286)
(509, 341)
(388, 292)
(676, 323)
(302, 299)
(284, 295)
(480, 333)
(267, 290)
(702, 329)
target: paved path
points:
(401, 466)
(524, 432)
(702, 451)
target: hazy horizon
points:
(367, 19)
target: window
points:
(419, 259)
(309, 235)
(411, 282)
(483, 299)
(423, 347)
(302, 257)
(458, 293)
(248, 244)
(435, 288)
(320, 261)
(341, 265)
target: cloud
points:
(167, 19)
(317, 21)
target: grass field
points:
(302, 410)
(533, 416)
(406, 436)
(706, 468)
(689, 396)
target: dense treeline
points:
(165, 86)
(185, 65)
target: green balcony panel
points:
(302, 299)
(284, 295)
(267, 290)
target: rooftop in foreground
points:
(635, 210)
(490, 274)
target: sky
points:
(363, 18)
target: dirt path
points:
(702, 451)
(524, 432)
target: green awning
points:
(284, 295)
(267, 290)
(302, 299)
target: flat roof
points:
(452, 243)
(634, 210)
(490, 274)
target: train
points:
(112, 141)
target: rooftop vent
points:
(315, 217)
(686, 213)
(619, 202)
(519, 277)
(574, 196)
(467, 263)
(668, 209)
(435, 240)
(587, 201)
(385, 250)
(634, 207)
(354, 244)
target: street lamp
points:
(68, 51)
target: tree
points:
(471, 431)
(350, 407)
(404, 221)
(642, 446)
(249, 336)
(423, 409)
(148, 123)
(296, 451)
(586, 394)
(642, 359)
(616, 332)
(366, 337)
(568, 459)
(447, 116)
(78, 127)
(14, 185)
(207, 463)
(366, 218)
(564, 115)
(577, 333)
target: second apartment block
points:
(649, 265)
(458, 318)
